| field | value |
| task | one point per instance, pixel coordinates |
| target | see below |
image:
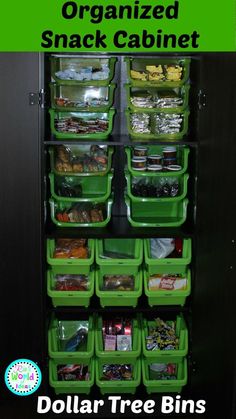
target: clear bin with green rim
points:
(69, 298)
(83, 354)
(182, 159)
(74, 97)
(157, 136)
(168, 356)
(168, 265)
(118, 298)
(64, 207)
(165, 386)
(119, 386)
(71, 387)
(79, 151)
(157, 214)
(183, 188)
(178, 92)
(76, 65)
(82, 117)
(165, 297)
(130, 249)
(139, 64)
(93, 188)
(69, 265)
(118, 357)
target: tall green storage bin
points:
(181, 92)
(79, 150)
(64, 206)
(75, 63)
(70, 266)
(64, 357)
(121, 386)
(164, 297)
(168, 265)
(93, 188)
(183, 189)
(70, 387)
(118, 357)
(75, 97)
(139, 64)
(103, 135)
(118, 298)
(182, 159)
(132, 249)
(69, 298)
(167, 356)
(158, 214)
(157, 136)
(165, 386)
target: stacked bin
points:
(117, 257)
(158, 111)
(154, 360)
(63, 357)
(65, 269)
(176, 267)
(82, 96)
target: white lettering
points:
(41, 401)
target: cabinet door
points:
(214, 293)
(21, 316)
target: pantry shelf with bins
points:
(119, 226)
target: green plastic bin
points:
(155, 136)
(78, 151)
(168, 356)
(71, 387)
(133, 248)
(82, 355)
(183, 189)
(182, 159)
(165, 386)
(75, 63)
(164, 297)
(144, 214)
(70, 266)
(107, 116)
(93, 188)
(168, 265)
(117, 357)
(121, 386)
(64, 206)
(181, 92)
(69, 298)
(139, 64)
(119, 298)
(75, 97)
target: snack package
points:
(110, 343)
(162, 336)
(117, 372)
(71, 248)
(161, 248)
(118, 283)
(167, 282)
(163, 371)
(117, 334)
(72, 372)
(84, 213)
(124, 343)
(72, 335)
(71, 282)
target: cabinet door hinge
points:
(37, 98)
(202, 99)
